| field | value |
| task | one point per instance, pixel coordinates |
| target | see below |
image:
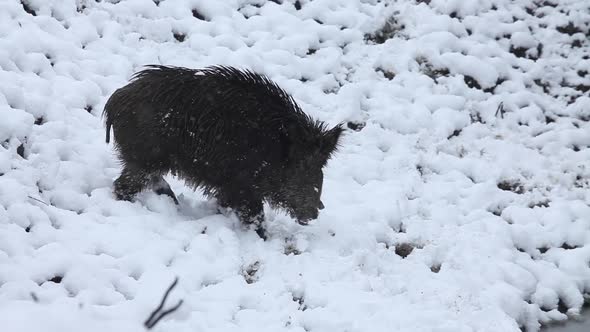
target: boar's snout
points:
(307, 215)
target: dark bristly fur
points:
(232, 132)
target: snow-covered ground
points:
(459, 200)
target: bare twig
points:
(38, 200)
(157, 314)
(500, 110)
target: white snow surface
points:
(495, 200)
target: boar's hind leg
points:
(131, 181)
(161, 187)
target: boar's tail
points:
(108, 131)
(108, 122)
(107, 114)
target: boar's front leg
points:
(248, 207)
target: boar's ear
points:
(330, 140)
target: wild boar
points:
(231, 132)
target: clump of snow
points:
(458, 201)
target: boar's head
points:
(300, 187)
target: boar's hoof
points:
(167, 192)
(123, 196)
(255, 222)
(258, 227)
(161, 187)
(261, 231)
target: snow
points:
(494, 203)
